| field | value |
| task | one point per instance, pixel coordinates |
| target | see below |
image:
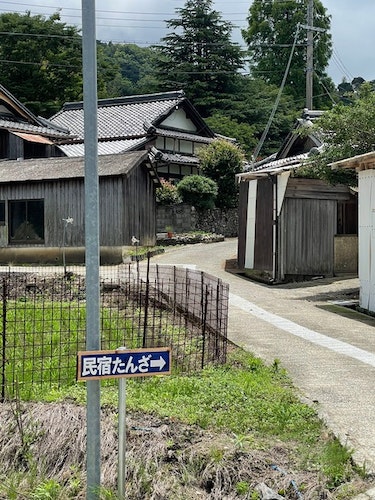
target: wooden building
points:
(42, 207)
(288, 226)
(166, 124)
(24, 135)
(292, 228)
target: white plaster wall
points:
(366, 236)
(250, 230)
(178, 120)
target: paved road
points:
(330, 357)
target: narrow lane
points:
(330, 358)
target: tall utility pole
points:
(90, 106)
(310, 54)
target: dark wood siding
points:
(126, 205)
(263, 225)
(307, 236)
(242, 223)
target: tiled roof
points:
(120, 118)
(183, 135)
(178, 159)
(275, 167)
(104, 148)
(18, 126)
(67, 168)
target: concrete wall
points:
(55, 255)
(345, 254)
(185, 218)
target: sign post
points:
(122, 363)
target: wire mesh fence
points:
(43, 320)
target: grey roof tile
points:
(18, 126)
(121, 117)
(104, 148)
(67, 168)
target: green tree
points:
(41, 60)
(199, 57)
(221, 161)
(126, 69)
(246, 118)
(198, 191)
(272, 27)
(347, 130)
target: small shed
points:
(291, 227)
(42, 207)
(288, 225)
(365, 166)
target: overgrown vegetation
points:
(217, 435)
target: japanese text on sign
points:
(122, 363)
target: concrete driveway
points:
(330, 356)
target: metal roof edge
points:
(132, 99)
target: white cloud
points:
(142, 22)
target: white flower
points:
(68, 220)
(135, 241)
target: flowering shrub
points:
(167, 194)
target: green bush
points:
(221, 161)
(167, 194)
(198, 191)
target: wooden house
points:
(42, 207)
(365, 166)
(166, 124)
(291, 228)
(24, 135)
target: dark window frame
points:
(26, 221)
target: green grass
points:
(253, 403)
(43, 340)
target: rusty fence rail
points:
(43, 320)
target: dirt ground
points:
(165, 459)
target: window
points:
(26, 221)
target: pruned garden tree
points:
(198, 190)
(221, 161)
(199, 57)
(273, 26)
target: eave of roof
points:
(104, 147)
(178, 159)
(275, 167)
(174, 134)
(13, 126)
(365, 161)
(52, 169)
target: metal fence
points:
(43, 320)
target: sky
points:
(143, 22)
